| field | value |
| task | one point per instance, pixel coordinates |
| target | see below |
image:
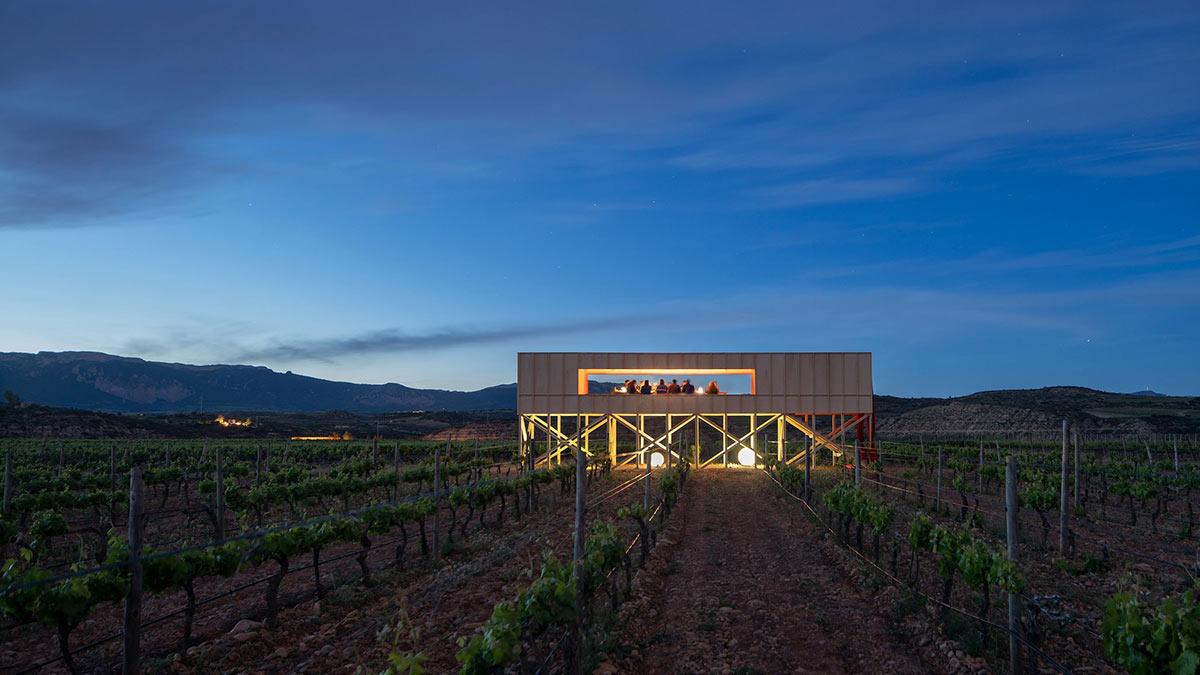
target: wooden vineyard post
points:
(267, 459)
(857, 465)
(258, 466)
(1014, 611)
(1075, 443)
(132, 632)
(1175, 448)
(437, 503)
(577, 558)
(62, 457)
(1062, 496)
(937, 500)
(8, 481)
(979, 471)
(220, 496)
(112, 468)
(396, 471)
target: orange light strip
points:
(586, 373)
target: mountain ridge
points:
(110, 383)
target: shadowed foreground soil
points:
(742, 582)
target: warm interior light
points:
(586, 373)
(232, 421)
(746, 457)
(657, 459)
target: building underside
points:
(705, 440)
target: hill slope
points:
(95, 381)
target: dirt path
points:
(743, 583)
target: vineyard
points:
(418, 556)
(216, 542)
(1096, 570)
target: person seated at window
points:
(645, 388)
(662, 386)
(674, 388)
(712, 388)
(688, 387)
(630, 387)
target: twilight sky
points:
(985, 195)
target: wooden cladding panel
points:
(784, 382)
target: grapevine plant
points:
(1147, 639)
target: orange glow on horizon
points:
(344, 436)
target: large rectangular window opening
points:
(659, 382)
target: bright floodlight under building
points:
(569, 402)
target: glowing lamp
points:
(746, 457)
(657, 459)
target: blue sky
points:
(984, 195)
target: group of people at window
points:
(663, 387)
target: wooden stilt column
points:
(753, 437)
(780, 438)
(670, 438)
(558, 428)
(612, 440)
(725, 441)
(641, 441)
(587, 434)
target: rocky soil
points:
(742, 582)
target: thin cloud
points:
(397, 341)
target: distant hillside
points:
(95, 381)
(1040, 409)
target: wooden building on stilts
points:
(739, 410)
